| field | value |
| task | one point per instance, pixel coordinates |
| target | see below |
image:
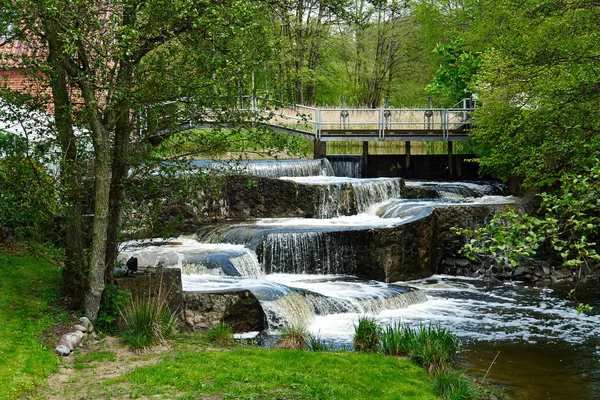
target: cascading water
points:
(305, 253)
(347, 196)
(347, 165)
(299, 270)
(271, 169)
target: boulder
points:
(240, 309)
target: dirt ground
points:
(88, 382)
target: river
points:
(302, 275)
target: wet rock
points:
(521, 271)
(240, 309)
(462, 263)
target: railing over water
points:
(322, 122)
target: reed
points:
(148, 318)
(366, 335)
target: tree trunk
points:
(120, 169)
(100, 228)
(74, 269)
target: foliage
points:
(538, 86)
(567, 220)
(455, 78)
(11, 144)
(268, 373)
(148, 318)
(366, 335)
(293, 337)
(29, 293)
(452, 385)
(113, 301)
(27, 198)
(432, 346)
(220, 334)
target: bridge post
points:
(319, 149)
(365, 158)
(450, 164)
(407, 159)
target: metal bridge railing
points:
(318, 121)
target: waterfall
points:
(349, 166)
(294, 168)
(247, 265)
(299, 308)
(310, 252)
(375, 191)
(461, 190)
(346, 196)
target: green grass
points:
(91, 358)
(28, 288)
(267, 374)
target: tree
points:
(98, 57)
(538, 86)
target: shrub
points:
(293, 337)
(27, 197)
(113, 301)
(221, 334)
(148, 319)
(366, 335)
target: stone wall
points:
(239, 309)
(199, 311)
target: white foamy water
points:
(360, 220)
(193, 257)
(300, 299)
(478, 311)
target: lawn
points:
(188, 368)
(29, 290)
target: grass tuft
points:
(315, 343)
(452, 385)
(220, 334)
(366, 335)
(148, 319)
(293, 337)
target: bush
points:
(148, 319)
(113, 301)
(27, 198)
(366, 335)
(293, 337)
(221, 334)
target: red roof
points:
(11, 53)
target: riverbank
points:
(187, 368)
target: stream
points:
(302, 272)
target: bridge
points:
(328, 124)
(360, 124)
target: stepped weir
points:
(364, 238)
